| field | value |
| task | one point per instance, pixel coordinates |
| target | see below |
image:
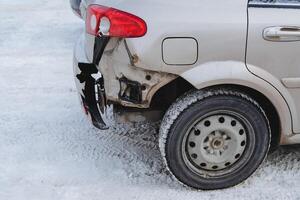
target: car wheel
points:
(214, 139)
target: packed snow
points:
(48, 150)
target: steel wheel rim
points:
(217, 144)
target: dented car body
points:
(240, 50)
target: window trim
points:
(252, 4)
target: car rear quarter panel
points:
(219, 27)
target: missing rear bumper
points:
(107, 74)
(90, 83)
(93, 96)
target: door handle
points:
(282, 34)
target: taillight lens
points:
(111, 22)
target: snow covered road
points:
(48, 150)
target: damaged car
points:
(222, 77)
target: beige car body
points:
(221, 43)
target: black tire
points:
(188, 110)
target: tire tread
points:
(182, 104)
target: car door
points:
(274, 44)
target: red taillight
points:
(102, 20)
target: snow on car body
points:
(224, 75)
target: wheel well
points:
(167, 95)
(269, 109)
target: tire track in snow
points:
(134, 146)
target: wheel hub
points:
(215, 143)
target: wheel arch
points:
(235, 74)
